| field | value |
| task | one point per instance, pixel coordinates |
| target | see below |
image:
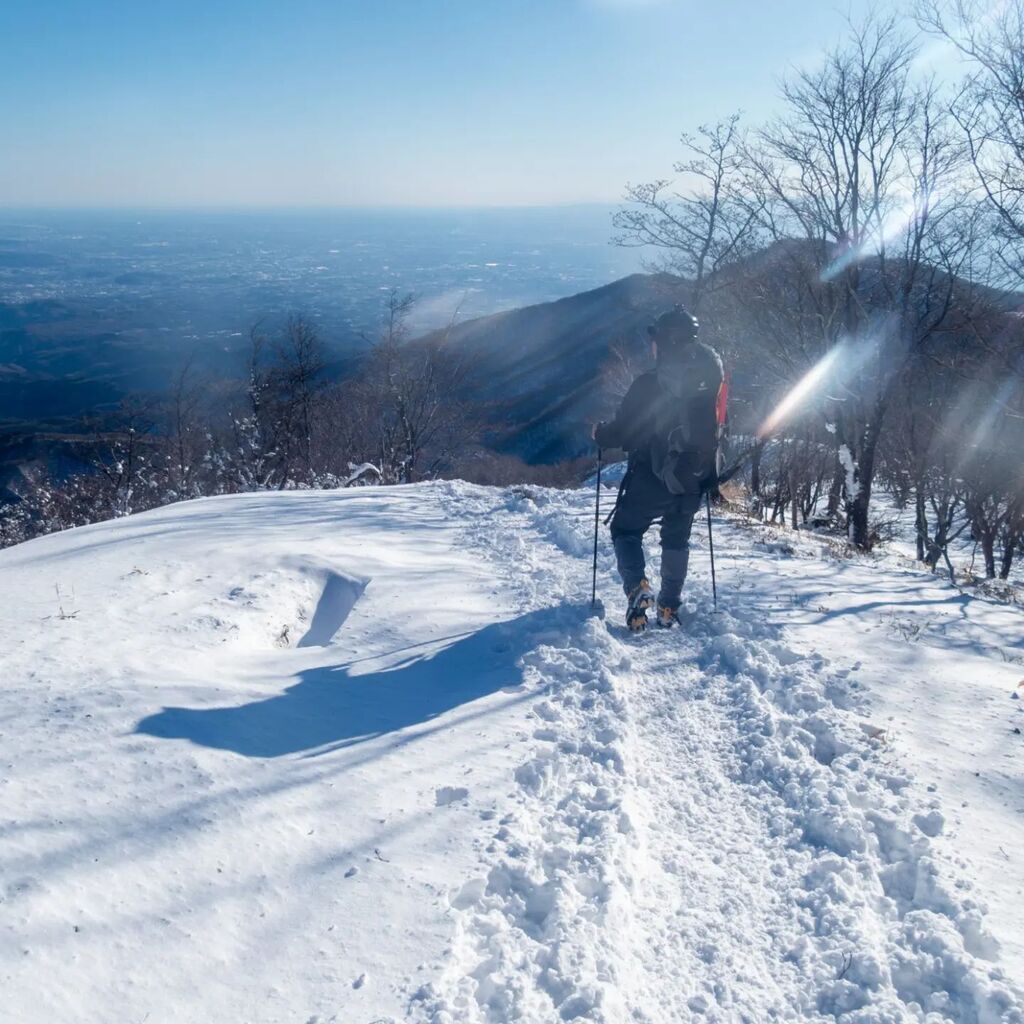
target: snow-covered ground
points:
(363, 757)
(964, 553)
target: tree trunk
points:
(835, 493)
(755, 477)
(938, 546)
(860, 532)
(988, 551)
(921, 522)
(864, 475)
(1007, 560)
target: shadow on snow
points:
(333, 707)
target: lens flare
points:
(895, 224)
(980, 436)
(799, 393)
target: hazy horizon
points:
(212, 207)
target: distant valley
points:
(95, 305)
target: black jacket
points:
(694, 368)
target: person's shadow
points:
(336, 706)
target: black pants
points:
(644, 500)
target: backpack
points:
(690, 410)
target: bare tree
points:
(123, 473)
(297, 380)
(186, 433)
(993, 471)
(271, 442)
(700, 227)
(408, 400)
(990, 105)
(855, 180)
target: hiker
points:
(669, 422)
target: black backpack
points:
(684, 448)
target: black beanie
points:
(677, 326)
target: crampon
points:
(640, 599)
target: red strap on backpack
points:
(722, 401)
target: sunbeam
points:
(799, 393)
(896, 223)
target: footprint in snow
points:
(471, 893)
(930, 823)
(450, 794)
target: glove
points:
(711, 489)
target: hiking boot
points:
(640, 599)
(668, 616)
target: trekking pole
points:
(597, 519)
(711, 549)
(727, 474)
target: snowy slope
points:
(362, 756)
(964, 553)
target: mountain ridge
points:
(540, 366)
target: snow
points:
(964, 552)
(363, 756)
(937, 667)
(848, 463)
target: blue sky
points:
(376, 102)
